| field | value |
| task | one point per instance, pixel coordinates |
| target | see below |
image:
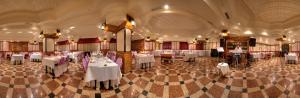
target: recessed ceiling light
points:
(238, 23)
(199, 36)
(4, 29)
(264, 33)
(7, 32)
(34, 28)
(166, 7)
(20, 32)
(30, 32)
(248, 32)
(72, 27)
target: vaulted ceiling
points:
(183, 21)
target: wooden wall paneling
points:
(138, 45)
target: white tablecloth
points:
(224, 68)
(97, 71)
(51, 61)
(74, 56)
(256, 55)
(291, 56)
(17, 57)
(143, 58)
(189, 56)
(37, 56)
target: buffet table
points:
(17, 58)
(142, 59)
(103, 69)
(53, 63)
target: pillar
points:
(124, 49)
(48, 45)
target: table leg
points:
(46, 69)
(53, 74)
(95, 84)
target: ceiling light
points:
(34, 28)
(4, 29)
(264, 33)
(20, 32)
(199, 36)
(248, 32)
(72, 27)
(166, 7)
(7, 32)
(30, 32)
(289, 39)
(238, 23)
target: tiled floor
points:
(265, 78)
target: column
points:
(48, 45)
(124, 49)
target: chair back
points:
(84, 64)
(62, 61)
(119, 61)
(113, 58)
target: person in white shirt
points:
(237, 54)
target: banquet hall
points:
(149, 48)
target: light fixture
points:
(224, 32)
(4, 29)
(206, 39)
(103, 25)
(148, 38)
(72, 27)
(284, 37)
(41, 34)
(264, 33)
(199, 36)
(131, 20)
(248, 32)
(133, 23)
(34, 28)
(104, 39)
(166, 7)
(58, 33)
(20, 32)
(7, 32)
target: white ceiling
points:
(184, 21)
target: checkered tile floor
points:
(265, 78)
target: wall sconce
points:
(41, 34)
(103, 25)
(284, 37)
(131, 20)
(206, 39)
(148, 38)
(58, 33)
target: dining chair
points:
(113, 58)
(84, 64)
(119, 61)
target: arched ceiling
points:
(184, 21)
